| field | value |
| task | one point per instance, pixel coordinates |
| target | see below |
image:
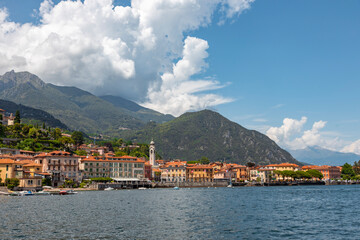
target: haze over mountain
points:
(207, 133)
(78, 109)
(320, 156)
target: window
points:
(86, 164)
(7, 167)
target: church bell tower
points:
(152, 153)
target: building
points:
(199, 173)
(241, 173)
(30, 176)
(9, 151)
(61, 165)
(7, 169)
(283, 167)
(225, 172)
(174, 171)
(148, 170)
(329, 172)
(118, 168)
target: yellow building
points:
(174, 171)
(7, 169)
(200, 173)
(283, 167)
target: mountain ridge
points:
(76, 108)
(321, 156)
(207, 133)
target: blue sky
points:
(277, 59)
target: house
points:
(31, 177)
(7, 169)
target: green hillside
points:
(207, 133)
(31, 115)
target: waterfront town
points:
(60, 167)
(99, 166)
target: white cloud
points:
(291, 135)
(177, 87)
(352, 148)
(289, 128)
(128, 51)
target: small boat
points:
(40, 193)
(142, 188)
(109, 189)
(26, 193)
(71, 192)
(176, 188)
(63, 192)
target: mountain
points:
(78, 109)
(207, 133)
(320, 156)
(29, 114)
(133, 109)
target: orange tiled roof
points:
(24, 161)
(32, 165)
(6, 156)
(6, 161)
(200, 167)
(283, 165)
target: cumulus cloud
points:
(132, 51)
(177, 87)
(291, 135)
(352, 148)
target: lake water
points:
(299, 212)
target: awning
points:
(125, 179)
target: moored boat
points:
(109, 189)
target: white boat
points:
(71, 192)
(176, 188)
(41, 193)
(109, 189)
(142, 188)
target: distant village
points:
(30, 170)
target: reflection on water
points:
(302, 212)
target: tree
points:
(11, 183)
(17, 117)
(357, 167)
(77, 137)
(204, 160)
(251, 164)
(33, 133)
(56, 134)
(81, 152)
(315, 173)
(347, 171)
(46, 182)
